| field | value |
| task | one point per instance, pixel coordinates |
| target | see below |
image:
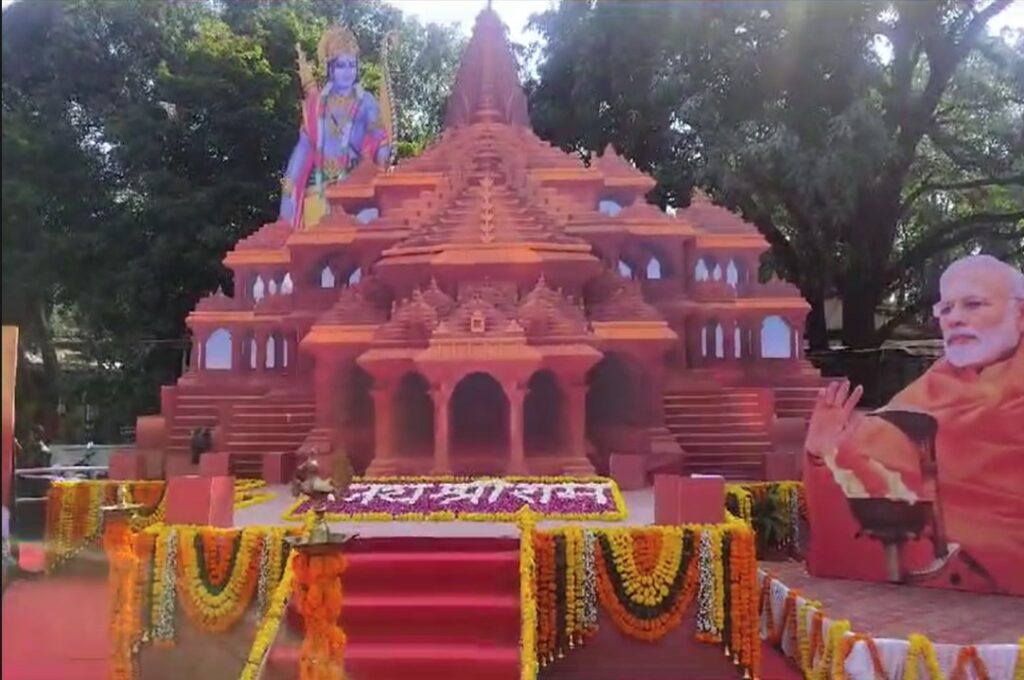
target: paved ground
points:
(886, 610)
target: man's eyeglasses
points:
(970, 305)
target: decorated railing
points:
(823, 647)
(74, 519)
(644, 579)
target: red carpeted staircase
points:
(425, 608)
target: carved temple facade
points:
(490, 306)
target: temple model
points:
(491, 306)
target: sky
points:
(516, 13)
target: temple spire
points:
(487, 87)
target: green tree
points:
(865, 139)
(141, 141)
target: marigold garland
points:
(529, 637)
(210, 607)
(118, 544)
(921, 649)
(846, 647)
(318, 595)
(648, 605)
(74, 519)
(644, 578)
(745, 642)
(269, 623)
(968, 657)
(823, 657)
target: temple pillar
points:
(656, 390)
(696, 341)
(577, 420)
(237, 350)
(261, 350)
(442, 395)
(279, 350)
(798, 344)
(195, 360)
(517, 452)
(384, 431)
(755, 338)
(728, 338)
(751, 264)
(325, 388)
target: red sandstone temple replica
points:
(491, 306)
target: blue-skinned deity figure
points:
(342, 125)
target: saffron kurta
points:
(980, 451)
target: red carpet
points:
(775, 666)
(55, 629)
(432, 608)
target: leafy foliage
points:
(141, 140)
(869, 141)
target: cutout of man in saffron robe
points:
(975, 393)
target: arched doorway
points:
(413, 418)
(615, 408)
(543, 415)
(479, 420)
(357, 416)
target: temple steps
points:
(247, 466)
(271, 426)
(723, 431)
(258, 425)
(795, 402)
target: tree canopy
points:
(868, 141)
(142, 140)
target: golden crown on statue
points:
(337, 40)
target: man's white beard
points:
(984, 348)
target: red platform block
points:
(279, 468)
(215, 464)
(205, 501)
(782, 466)
(153, 462)
(629, 470)
(179, 465)
(689, 500)
(126, 464)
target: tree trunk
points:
(859, 306)
(49, 392)
(817, 329)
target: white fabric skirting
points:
(1000, 660)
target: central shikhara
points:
(493, 306)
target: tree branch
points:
(944, 53)
(946, 236)
(961, 157)
(908, 312)
(927, 187)
(780, 243)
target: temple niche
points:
(490, 306)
